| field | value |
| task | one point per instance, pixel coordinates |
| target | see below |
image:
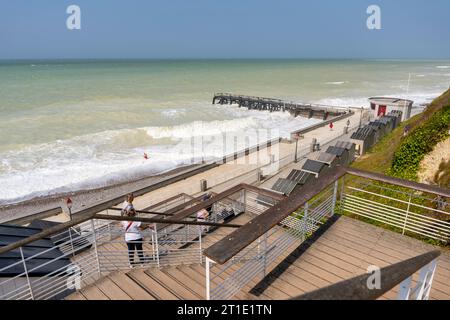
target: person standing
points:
(134, 238)
(128, 204)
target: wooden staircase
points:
(170, 283)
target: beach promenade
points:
(246, 169)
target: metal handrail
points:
(357, 288)
(400, 182)
(165, 221)
(225, 249)
(238, 240)
(177, 218)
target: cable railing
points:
(408, 212)
(252, 264)
(247, 255)
(91, 246)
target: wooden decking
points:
(344, 250)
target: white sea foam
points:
(443, 67)
(170, 113)
(114, 156)
(336, 82)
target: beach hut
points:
(284, 186)
(389, 122)
(350, 147)
(78, 246)
(364, 138)
(341, 153)
(379, 130)
(328, 158)
(40, 262)
(397, 116)
(381, 106)
(300, 177)
(314, 167)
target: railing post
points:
(333, 203)
(407, 213)
(245, 200)
(26, 273)
(95, 246)
(200, 244)
(405, 289)
(208, 278)
(425, 281)
(157, 246)
(71, 242)
(305, 218)
(341, 201)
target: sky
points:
(197, 29)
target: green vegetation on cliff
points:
(407, 158)
(400, 156)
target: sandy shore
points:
(243, 170)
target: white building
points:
(381, 106)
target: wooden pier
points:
(296, 109)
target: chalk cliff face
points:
(435, 166)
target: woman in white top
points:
(133, 236)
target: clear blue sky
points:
(36, 29)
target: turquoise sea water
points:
(66, 125)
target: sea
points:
(68, 125)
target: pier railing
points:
(256, 98)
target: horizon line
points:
(223, 58)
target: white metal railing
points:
(421, 291)
(51, 272)
(223, 281)
(408, 212)
(93, 248)
(87, 251)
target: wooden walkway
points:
(343, 251)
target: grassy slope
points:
(379, 158)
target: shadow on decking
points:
(292, 257)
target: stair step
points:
(187, 281)
(93, 293)
(151, 286)
(167, 281)
(130, 287)
(111, 290)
